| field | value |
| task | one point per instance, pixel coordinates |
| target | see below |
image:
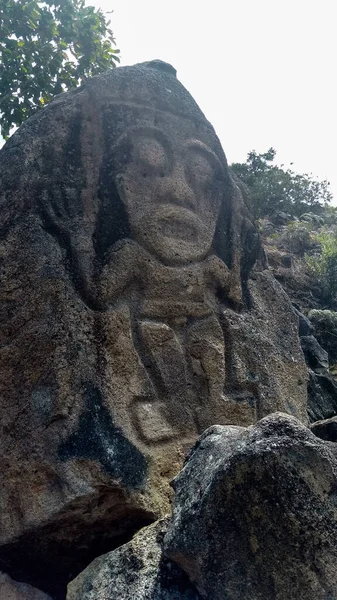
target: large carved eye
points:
(151, 153)
(203, 169)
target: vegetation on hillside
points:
(271, 188)
(47, 47)
(323, 264)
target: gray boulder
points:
(304, 324)
(255, 513)
(135, 571)
(325, 330)
(322, 396)
(316, 357)
(326, 429)
(312, 218)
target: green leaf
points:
(45, 48)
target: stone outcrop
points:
(325, 330)
(135, 312)
(316, 357)
(255, 517)
(322, 396)
(326, 429)
(136, 571)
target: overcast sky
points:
(263, 71)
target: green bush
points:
(323, 265)
(272, 189)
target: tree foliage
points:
(47, 47)
(271, 188)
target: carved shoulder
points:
(217, 273)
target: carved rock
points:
(254, 516)
(128, 320)
(136, 571)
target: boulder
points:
(322, 396)
(297, 239)
(136, 571)
(312, 218)
(129, 320)
(326, 429)
(325, 330)
(13, 590)
(254, 515)
(316, 357)
(280, 218)
(305, 326)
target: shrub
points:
(297, 238)
(323, 265)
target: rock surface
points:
(136, 571)
(305, 327)
(129, 322)
(322, 396)
(255, 513)
(316, 357)
(13, 590)
(325, 330)
(326, 429)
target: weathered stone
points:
(255, 513)
(13, 590)
(316, 357)
(322, 396)
(326, 429)
(305, 326)
(325, 330)
(136, 571)
(312, 218)
(281, 218)
(296, 239)
(126, 316)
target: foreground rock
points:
(136, 571)
(12, 590)
(255, 514)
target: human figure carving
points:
(166, 181)
(172, 196)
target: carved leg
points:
(206, 348)
(163, 358)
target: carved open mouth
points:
(180, 224)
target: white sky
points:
(263, 71)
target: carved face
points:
(171, 188)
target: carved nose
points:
(179, 192)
